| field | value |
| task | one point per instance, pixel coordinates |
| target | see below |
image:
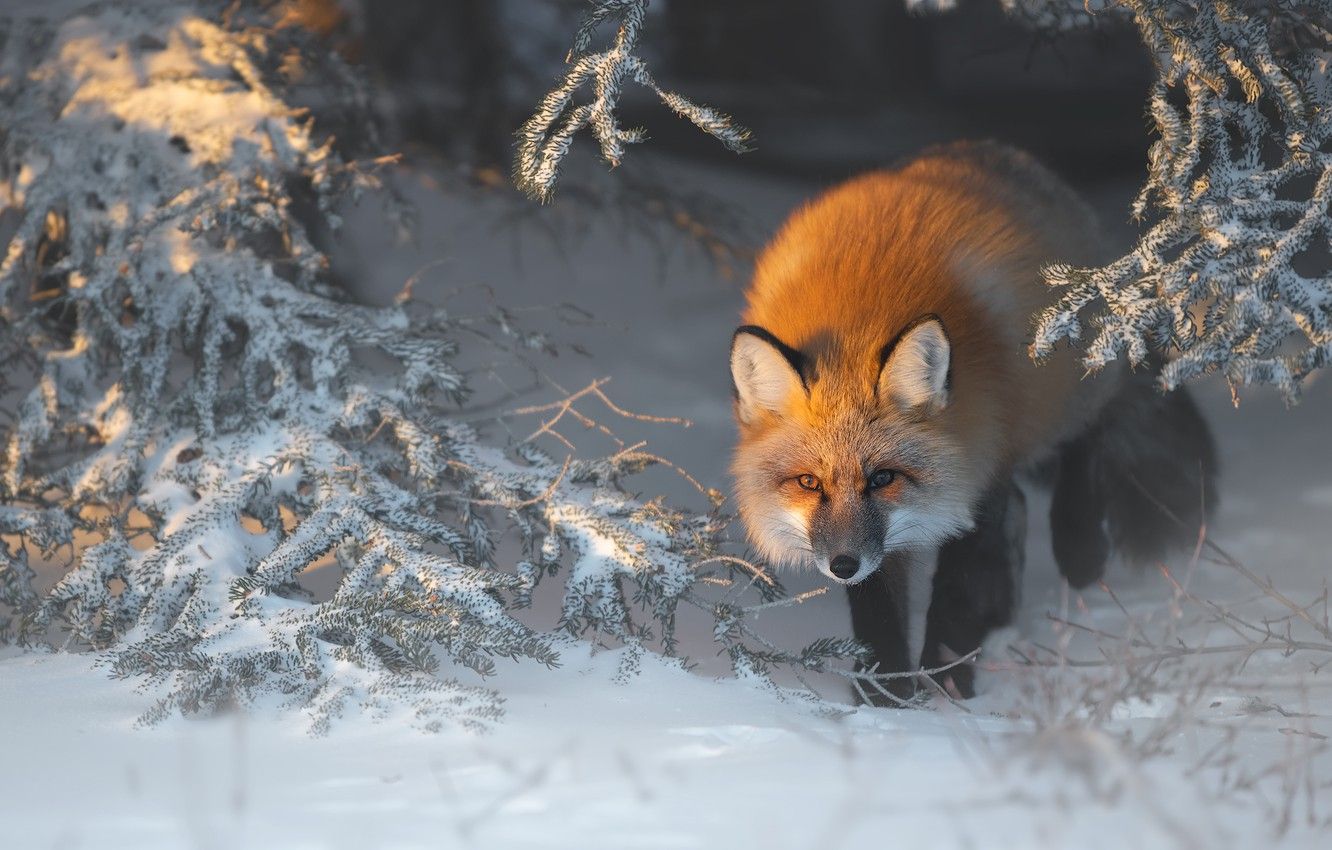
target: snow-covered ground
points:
(1200, 757)
(667, 760)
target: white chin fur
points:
(782, 540)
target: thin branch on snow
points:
(1075, 701)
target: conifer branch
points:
(544, 140)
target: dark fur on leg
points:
(1077, 513)
(1159, 475)
(1140, 481)
(976, 585)
(878, 621)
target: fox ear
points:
(764, 370)
(914, 368)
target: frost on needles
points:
(1233, 273)
(204, 416)
(545, 138)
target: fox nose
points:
(844, 566)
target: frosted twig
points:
(545, 138)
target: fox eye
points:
(882, 478)
(808, 482)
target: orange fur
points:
(960, 232)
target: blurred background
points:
(829, 88)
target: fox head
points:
(841, 462)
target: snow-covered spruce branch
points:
(545, 138)
(1234, 271)
(207, 421)
(194, 429)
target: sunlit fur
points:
(960, 233)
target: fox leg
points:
(878, 620)
(976, 586)
(1078, 513)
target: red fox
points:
(885, 402)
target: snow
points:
(667, 760)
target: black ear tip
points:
(798, 361)
(754, 330)
(930, 319)
(759, 333)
